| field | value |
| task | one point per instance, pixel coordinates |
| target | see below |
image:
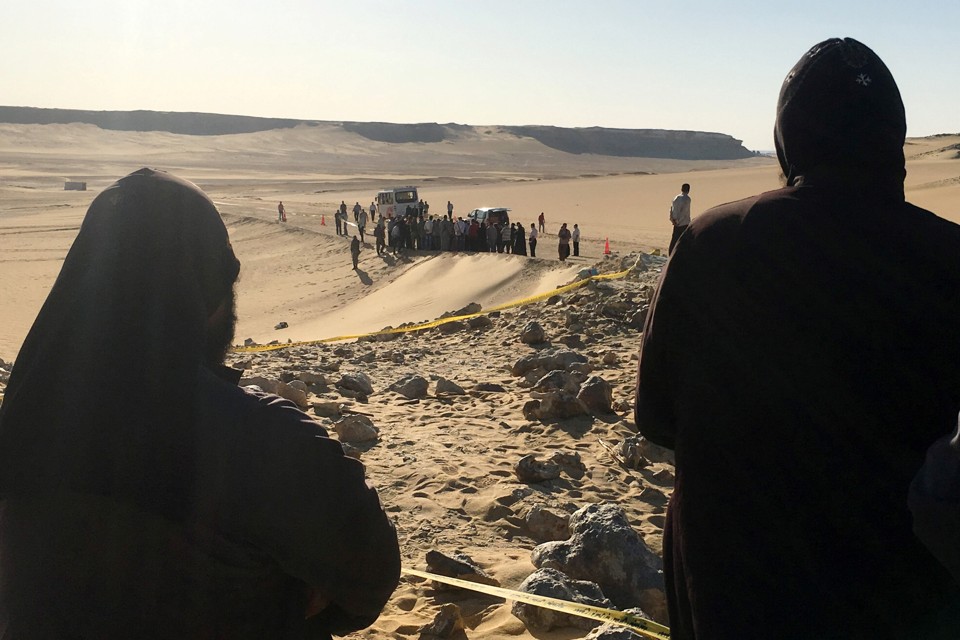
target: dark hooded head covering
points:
(101, 398)
(840, 112)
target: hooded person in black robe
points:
(801, 353)
(146, 495)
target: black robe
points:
(142, 495)
(801, 353)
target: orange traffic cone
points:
(606, 248)
(323, 220)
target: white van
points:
(394, 201)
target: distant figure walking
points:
(281, 213)
(680, 214)
(542, 222)
(450, 209)
(339, 222)
(533, 240)
(343, 210)
(356, 211)
(362, 224)
(564, 236)
(373, 213)
(379, 232)
(575, 238)
(355, 251)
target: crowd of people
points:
(418, 230)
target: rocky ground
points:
(484, 436)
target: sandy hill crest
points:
(632, 143)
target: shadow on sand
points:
(364, 277)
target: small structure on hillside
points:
(71, 185)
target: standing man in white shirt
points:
(575, 238)
(680, 214)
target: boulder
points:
(470, 309)
(572, 340)
(480, 322)
(448, 387)
(531, 410)
(610, 358)
(452, 327)
(548, 360)
(358, 382)
(604, 548)
(489, 386)
(558, 405)
(327, 409)
(411, 386)
(356, 428)
(529, 469)
(533, 333)
(638, 318)
(596, 394)
(554, 584)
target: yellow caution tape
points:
(435, 323)
(642, 626)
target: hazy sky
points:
(704, 65)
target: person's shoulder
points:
(252, 406)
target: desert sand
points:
(443, 464)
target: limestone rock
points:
(327, 409)
(605, 549)
(545, 524)
(569, 463)
(651, 451)
(411, 386)
(309, 377)
(297, 396)
(560, 380)
(558, 405)
(596, 394)
(610, 631)
(445, 624)
(529, 469)
(554, 584)
(356, 428)
(533, 333)
(548, 360)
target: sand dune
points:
(306, 279)
(303, 276)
